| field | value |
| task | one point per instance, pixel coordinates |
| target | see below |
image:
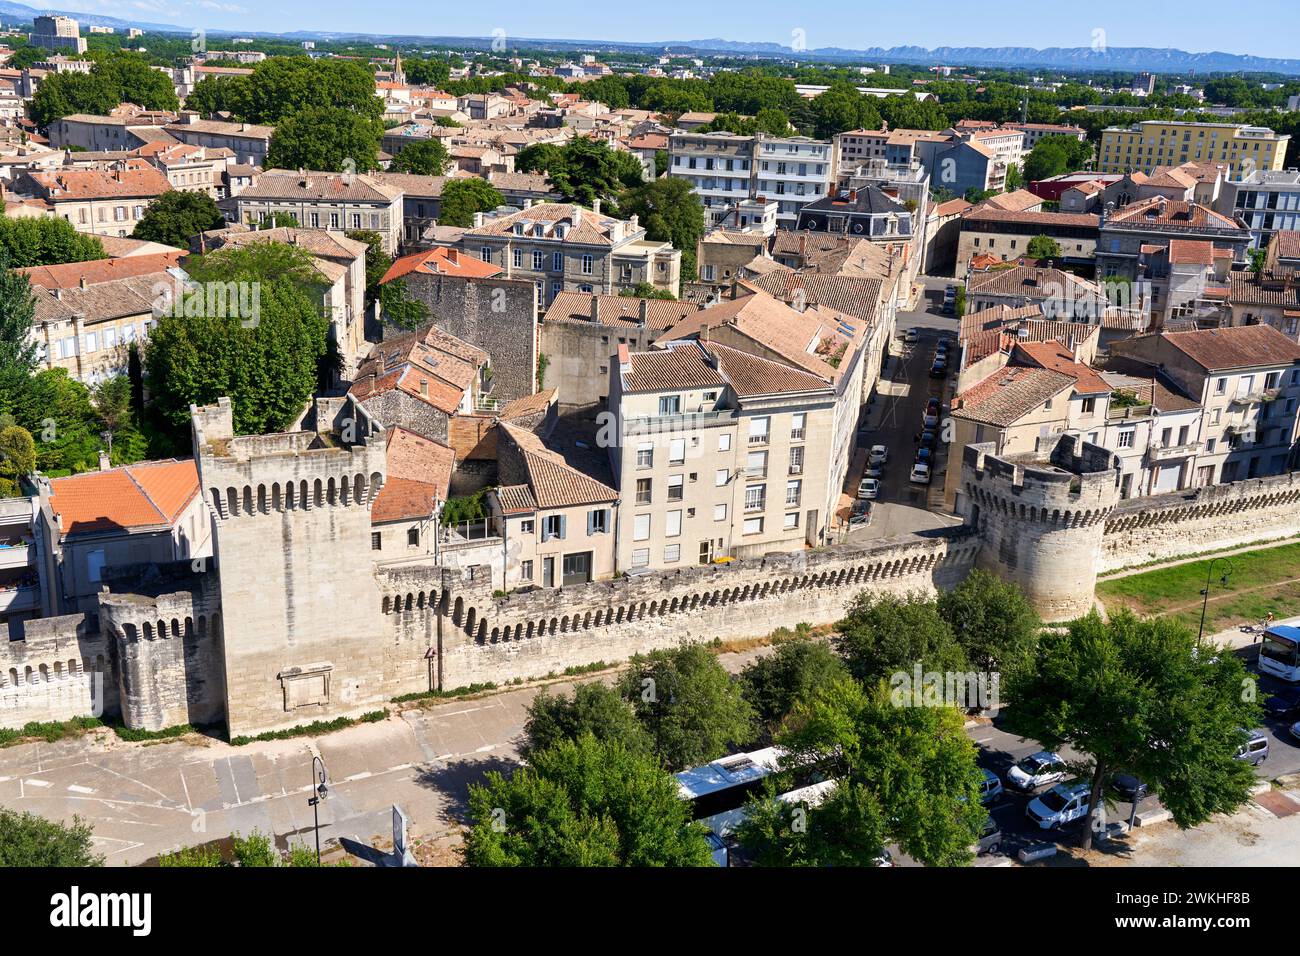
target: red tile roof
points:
(440, 261)
(145, 495)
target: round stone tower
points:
(1041, 520)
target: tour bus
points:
(1279, 654)
(719, 789)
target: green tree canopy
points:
(326, 138)
(883, 634)
(583, 170)
(427, 157)
(115, 78)
(670, 211)
(583, 802)
(1054, 155)
(692, 709)
(462, 197)
(27, 840)
(1043, 247)
(991, 620)
(774, 683)
(595, 708)
(843, 108)
(1139, 696)
(17, 316)
(57, 411)
(177, 216)
(17, 458)
(45, 241)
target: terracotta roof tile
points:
(145, 495)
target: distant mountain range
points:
(1065, 59)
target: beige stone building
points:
(563, 247)
(104, 202)
(248, 141)
(331, 201)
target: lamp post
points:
(1205, 592)
(320, 794)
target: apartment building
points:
(1057, 294)
(735, 434)
(1246, 381)
(1267, 201)
(102, 202)
(333, 201)
(93, 133)
(1267, 298)
(88, 314)
(248, 141)
(724, 168)
(191, 168)
(57, 33)
(1126, 233)
(563, 247)
(1150, 144)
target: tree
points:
(326, 138)
(992, 621)
(905, 775)
(283, 86)
(792, 674)
(17, 458)
(1043, 247)
(692, 709)
(115, 408)
(461, 198)
(1140, 696)
(842, 108)
(17, 315)
(57, 411)
(428, 157)
(216, 94)
(31, 841)
(177, 216)
(583, 802)
(1054, 155)
(1015, 178)
(594, 708)
(644, 290)
(399, 309)
(583, 170)
(670, 211)
(45, 241)
(269, 363)
(884, 634)
(112, 80)
(846, 829)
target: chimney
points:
(624, 360)
(595, 206)
(644, 310)
(633, 223)
(528, 204)
(104, 463)
(478, 220)
(595, 308)
(84, 283)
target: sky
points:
(1271, 28)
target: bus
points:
(1279, 654)
(718, 790)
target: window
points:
(676, 451)
(797, 421)
(537, 260)
(1210, 444)
(1088, 405)
(673, 526)
(719, 512)
(645, 455)
(356, 220)
(586, 265)
(792, 491)
(791, 520)
(753, 526)
(519, 258)
(525, 570)
(670, 404)
(796, 460)
(641, 528)
(557, 262)
(413, 537)
(640, 557)
(376, 542)
(675, 487)
(526, 527)
(758, 430)
(721, 477)
(485, 253)
(553, 527)
(598, 521)
(1125, 438)
(1220, 386)
(756, 464)
(672, 553)
(756, 498)
(724, 441)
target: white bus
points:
(1279, 654)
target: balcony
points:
(1172, 452)
(14, 555)
(1254, 396)
(760, 505)
(797, 434)
(759, 439)
(22, 598)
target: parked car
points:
(1255, 750)
(1129, 787)
(932, 405)
(1061, 805)
(860, 514)
(949, 299)
(911, 336)
(920, 474)
(1295, 730)
(990, 787)
(990, 838)
(928, 438)
(1036, 770)
(939, 369)
(1283, 704)
(941, 350)
(923, 456)
(931, 420)
(879, 454)
(868, 488)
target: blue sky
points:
(1261, 27)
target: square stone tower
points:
(300, 606)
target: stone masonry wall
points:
(1142, 530)
(62, 669)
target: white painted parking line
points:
(36, 783)
(73, 788)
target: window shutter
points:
(591, 523)
(609, 518)
(563, 521)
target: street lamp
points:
(320, 794)
(1205, 592)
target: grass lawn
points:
(1261, 581)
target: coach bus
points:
(1279, 654)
